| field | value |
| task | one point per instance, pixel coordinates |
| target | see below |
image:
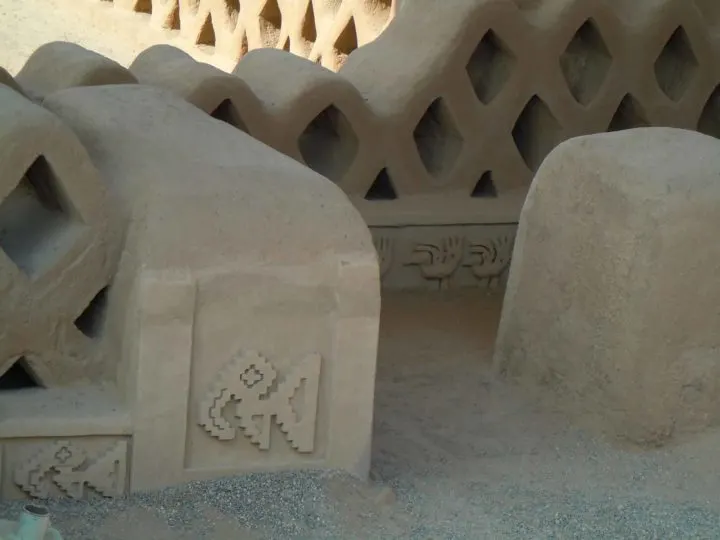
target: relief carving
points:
(439, 261)
(248, 383)
(489, 258)
(72, 469)
(385, 250)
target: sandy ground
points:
(94, 24)
(457, 454)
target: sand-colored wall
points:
(325, 31)
(171, 310)
(436, 139)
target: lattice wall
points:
(434, 137)
(325, 31)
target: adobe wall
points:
(171, 311)
(436, 140)
(324, 31)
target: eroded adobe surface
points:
(611, 300)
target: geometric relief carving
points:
(439, 261)
(72, 470)
(489, 258)
(248, 382)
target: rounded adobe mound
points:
(612, 295)
(219, 94)
(59, 65)
(210, 194)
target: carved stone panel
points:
(444, 257)
(249, 382)
(77, 468)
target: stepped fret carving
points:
(72, 469)
(248, 382)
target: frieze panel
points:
(444, 257)
(72, 468)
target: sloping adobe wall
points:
(171, 309)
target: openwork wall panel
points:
(432, 138)
(124, 248)
(449, 129)
(325, 31)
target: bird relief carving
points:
(439, 261)
(247, 384)
(489, 258)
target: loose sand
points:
(457, 455)
(94, 24)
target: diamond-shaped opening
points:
(308, 32)
(244, 46)
(329, 144)
(485, 187)
(382, 188)
(233, 11)
(489, 67)
(709, 122)
(346, 42)
(629, 115)
(270, 23)
(585, 62)
(437, 139)
(228, 113)
(207, 33)
(37, 222)
(92, 319)
(19, 376)
(676, 66)
(143, 6)
(536, 133)
(172, 20)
